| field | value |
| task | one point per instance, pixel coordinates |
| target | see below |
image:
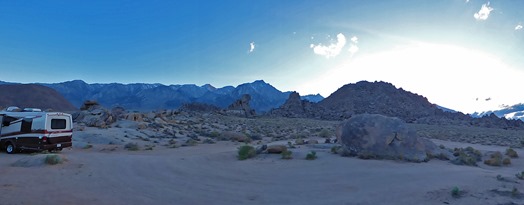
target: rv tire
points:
(10, 148)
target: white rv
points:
(32, 129)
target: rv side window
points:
(26, 125)
(58, 123)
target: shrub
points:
(53, 159)
(466, 156)
(246, 152)
(311, 155)
(520, 175)
(132, 146)
(335, 149)
(88, 146)
(496, 160)
(287, 154)
(512, 153)
(455, 192)
(324, 133)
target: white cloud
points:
(467, 1)
(251, 47)
(518, 27)
(331, 50)
(484, 12)
(353, 48)
(354, 39)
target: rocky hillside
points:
(141, 96)
(385, 99)
(33, 96)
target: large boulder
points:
(380, 137)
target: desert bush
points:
(246, 152)
(190, 142)
(335, 149)
(88, 146)
(512, 153)
(520, 175)
(455, 192)
(325, 133)
(466, 156)
(208, 141)
(311, 155)
(214, 134)
(497, 160)
(287, 154)
(53, 159)
(132, 146)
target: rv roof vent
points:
(32, 110)
(12, 109)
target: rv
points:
(33, 129)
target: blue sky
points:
(451, 51)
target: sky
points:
(460, 54)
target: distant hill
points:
(385, 99)
(141, 96)
(33, 96)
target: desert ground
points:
(100, 170)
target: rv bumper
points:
(57, 145)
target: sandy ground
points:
(211, 174)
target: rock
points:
(261, 149)
(88, 104)
(327, 141)
(276, 149)
(380, 137)
(241, 107)
(118, 112)
(94, 116)
(295, 107)
(137, 117)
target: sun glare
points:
(450, 76)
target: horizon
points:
(459, 54)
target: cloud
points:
(251, 47)
(331, 50)
(483, 13)
(353, 48)
(518, 27)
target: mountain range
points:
(509, 112)
(142, 96)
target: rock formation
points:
(94, 115)
(241, 107)
(380, 137)
(296, 108)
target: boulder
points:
(276, 149)
(137, 117)
(89, 104)
(380, 137)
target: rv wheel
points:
(10, 148)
